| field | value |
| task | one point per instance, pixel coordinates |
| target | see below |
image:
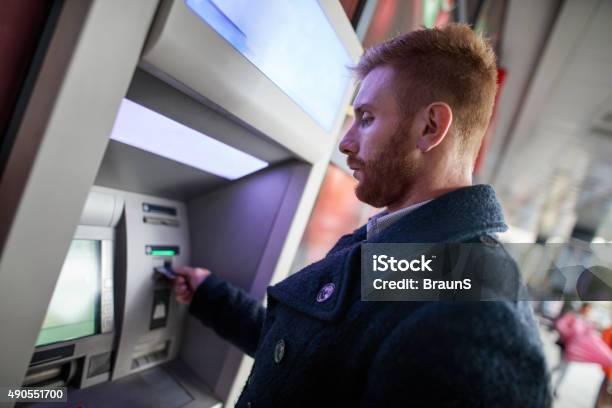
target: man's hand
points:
(187, 281)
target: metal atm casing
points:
(142, 345)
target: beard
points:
(390, 175)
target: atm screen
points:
(72, 312)
(292, 43)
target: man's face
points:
(378, 144)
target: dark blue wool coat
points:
(342, 351)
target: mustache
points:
(354, 162)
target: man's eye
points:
(366, 119)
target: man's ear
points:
(436, 121)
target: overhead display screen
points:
(290, 42)
(72, 311)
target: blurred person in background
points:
(580, 343)
(570, 327)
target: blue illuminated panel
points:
(290, 42)
(147, 130)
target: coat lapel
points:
(301, 290)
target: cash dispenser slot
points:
(56, 375)
(148, 354)
(46, 356)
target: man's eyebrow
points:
(359, 108)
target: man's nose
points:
(348, 144)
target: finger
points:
(178, 286)
(183, 270)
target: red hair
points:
(451, 64)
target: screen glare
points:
(72, 311)
(290, 42)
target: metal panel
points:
(183, 49)
(127, 168)
(55, 157)
(137, 286)
(195, 111)
(251, 219)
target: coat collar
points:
(454, 217)
(458, 216)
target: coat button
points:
(325, 292)
(279, 351)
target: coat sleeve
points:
(230, 312)
(476, 354)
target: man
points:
(424, 103)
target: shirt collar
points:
(384, 219)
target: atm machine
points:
(202, 139)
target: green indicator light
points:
(163, 252)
